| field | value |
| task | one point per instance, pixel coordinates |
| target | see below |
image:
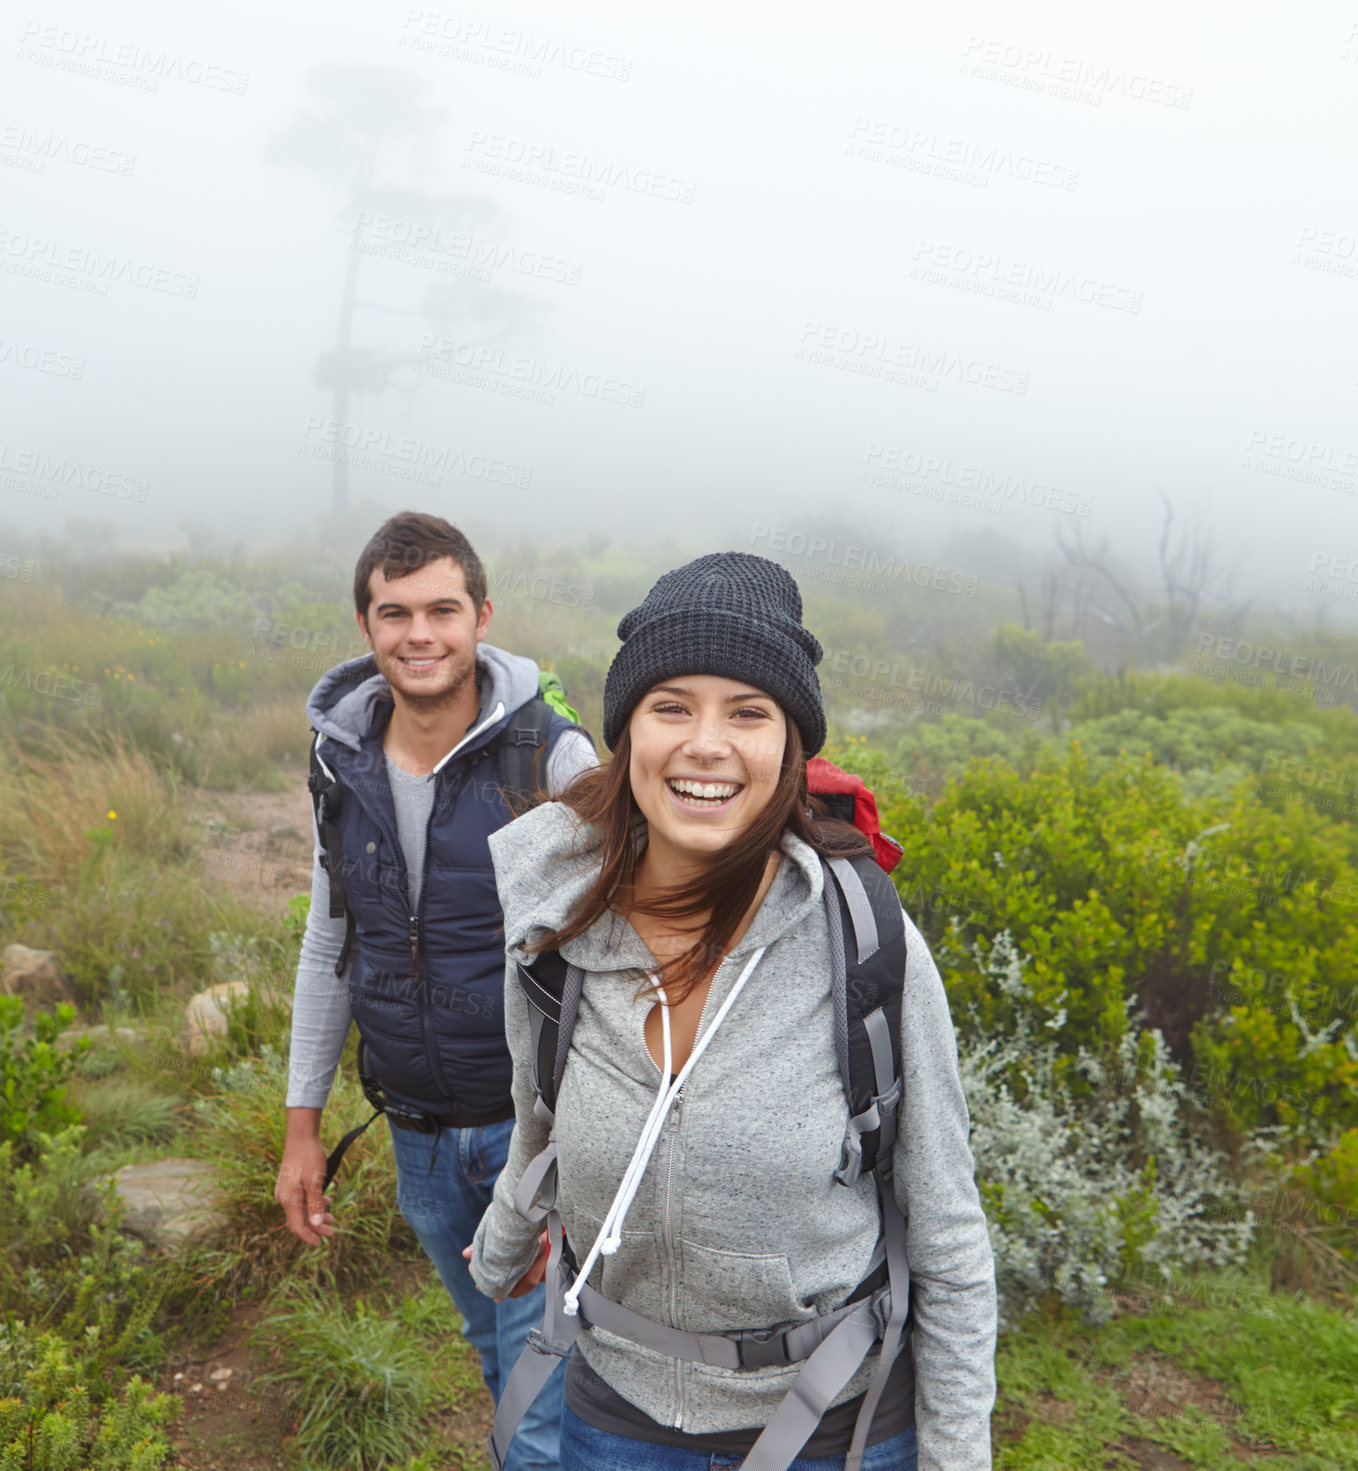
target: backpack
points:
(847, 798)
(867, 945)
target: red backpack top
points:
(849, 800)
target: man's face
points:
(423, 630)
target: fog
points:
(963, 279)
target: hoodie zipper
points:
(666, 1219)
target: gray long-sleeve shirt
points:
(320, 1007)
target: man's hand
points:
(300, 1177)
(531, 1277)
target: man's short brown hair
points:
(404, 543)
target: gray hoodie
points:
(739, 1222)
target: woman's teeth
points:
(704, 793)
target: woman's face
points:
(706, 754)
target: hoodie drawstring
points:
(610, 1231)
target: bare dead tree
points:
(365, 122)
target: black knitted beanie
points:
(729, 613)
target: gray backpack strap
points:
(822, 1377)
(547, 1346)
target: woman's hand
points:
(532, 1276)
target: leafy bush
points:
(1086, 1194)
(34, 1073)
(59, 1269)
(1218, 923)
(1332, 1180)
(47, 1416)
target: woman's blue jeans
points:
(585, 1449)
(444, 1207)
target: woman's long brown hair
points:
(602, 798)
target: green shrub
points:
(47, 1417)
(1231, 928)
(34, 1073)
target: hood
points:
(546, 861)
(353, 697)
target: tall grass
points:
(99, 844)
(242, 1129)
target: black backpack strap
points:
(867, 953)
(325, 800)
(552, 989)
(373, 1093)
(519, 743)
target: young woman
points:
(701, 1114)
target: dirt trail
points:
(259, 843)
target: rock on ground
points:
(205, 1016)
(36, 975)
(172, 1203)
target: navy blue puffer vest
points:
(427, 989)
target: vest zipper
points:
(423, 1000)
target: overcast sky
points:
(704, 267)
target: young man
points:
(403, 937)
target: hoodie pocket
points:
(723, 1290)
(631, 1276)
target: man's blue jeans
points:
(444, 1207)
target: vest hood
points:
(546, 861)
(352, 698)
